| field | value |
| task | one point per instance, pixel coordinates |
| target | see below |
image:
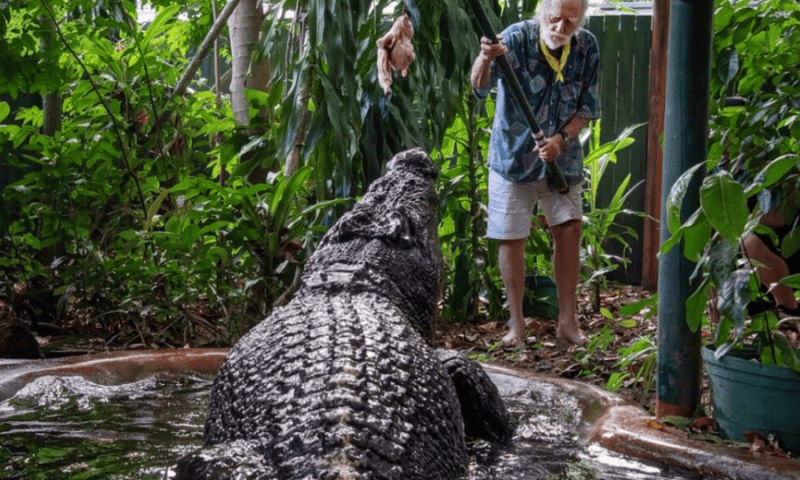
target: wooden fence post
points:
(657, 88)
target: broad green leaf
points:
(30, 240)
(734, 295)
(152, 211)
(788, 356)
(790, 243)
(697, 217)
(721, 261)
(10, 130)
(791, 281)
(257, 98)
(159, 24)
(696, 237)
(639, 305)
(696, 305)
(4, 111)
(190, 234)
(214, 227)
(151, 184)
(105, 50)
(722, 16)
(285, 195)
(763, 323)
(742, 31)
(129, 235)
(771, 173)
(674, 203)
(173, 225)
(722, 332)
(215, 254)
(446, 227)
(722, 199)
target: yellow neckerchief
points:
(557, 65)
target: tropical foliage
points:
(753, 167)
(133, 208)
(158, 216)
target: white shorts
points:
(511, 206)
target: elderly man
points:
(556, 62)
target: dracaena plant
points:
(600, 226)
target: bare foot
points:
(512, 339)
(571, 333)
(516, 334)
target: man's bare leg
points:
(512, 269)
(773, 269)
(567, 264)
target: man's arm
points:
(573, 127)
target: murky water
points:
(70, 428)
(546, 443)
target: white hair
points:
(546, 6)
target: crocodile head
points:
(388, 243)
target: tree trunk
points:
(51, 101)
(244, 26)
(191, 69)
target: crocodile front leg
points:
(485, 414)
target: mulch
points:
(594, 363)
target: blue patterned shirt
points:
(553, 103)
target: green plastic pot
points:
(750, 396)
(541, 298)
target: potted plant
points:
(753, 169)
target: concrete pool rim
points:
(607, 419)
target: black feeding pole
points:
(516, 89)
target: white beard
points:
(553, 40)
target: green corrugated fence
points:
(624, 41)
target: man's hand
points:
(491, 50)
(551, 148)
(481, 75)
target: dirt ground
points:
(609, 332)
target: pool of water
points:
(71, 428)
(68, 427)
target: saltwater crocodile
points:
(342, 382)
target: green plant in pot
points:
(750, 349)
(752, 176)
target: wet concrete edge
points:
(627, 429)
(607, 419)
(112, 367)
